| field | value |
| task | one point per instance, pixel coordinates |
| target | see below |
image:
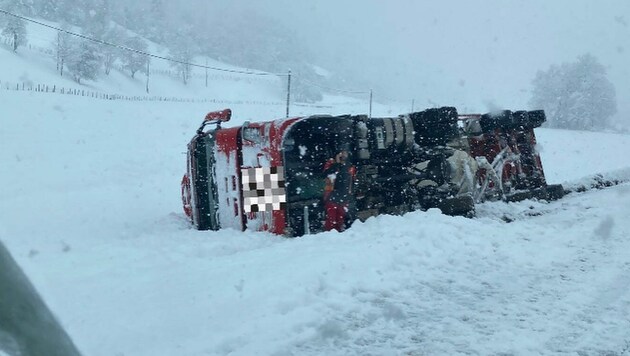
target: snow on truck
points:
(271, 176)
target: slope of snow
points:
(90, 208)
(571, 155)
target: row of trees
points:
(86, 60)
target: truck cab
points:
(269, 176)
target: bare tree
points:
(62, 47)
(14, 28)
(15, 31)
(83, 60)
(182, 47)
(134, 61)
(110, 54)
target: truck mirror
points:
(219, 116)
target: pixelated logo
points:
(263, 189)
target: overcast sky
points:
(473, 54)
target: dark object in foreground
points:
(27, 327)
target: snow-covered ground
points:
(90, 208)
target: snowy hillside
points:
(90, 208)
(33, 67)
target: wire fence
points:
(59, 90)
(54, 89)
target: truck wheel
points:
(536, 118)
(554, 191)
(520, 120)
(463, 205)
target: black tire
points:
(488, 123)
(505, 120)
(520, 120)
(536, 118)
(458, 206)
(554, 191)
(448, 120)
(492, 121)
(435, 127)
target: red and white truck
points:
(269, 176)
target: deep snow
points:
(90, 208)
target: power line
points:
(391, 100)
(333, 89)
(138, 51)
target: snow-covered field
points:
(90, 208)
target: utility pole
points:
(206, 72)
(288, 91)
(148, 70)
(370, 112)
(58, 45)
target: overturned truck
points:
(270, 176)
